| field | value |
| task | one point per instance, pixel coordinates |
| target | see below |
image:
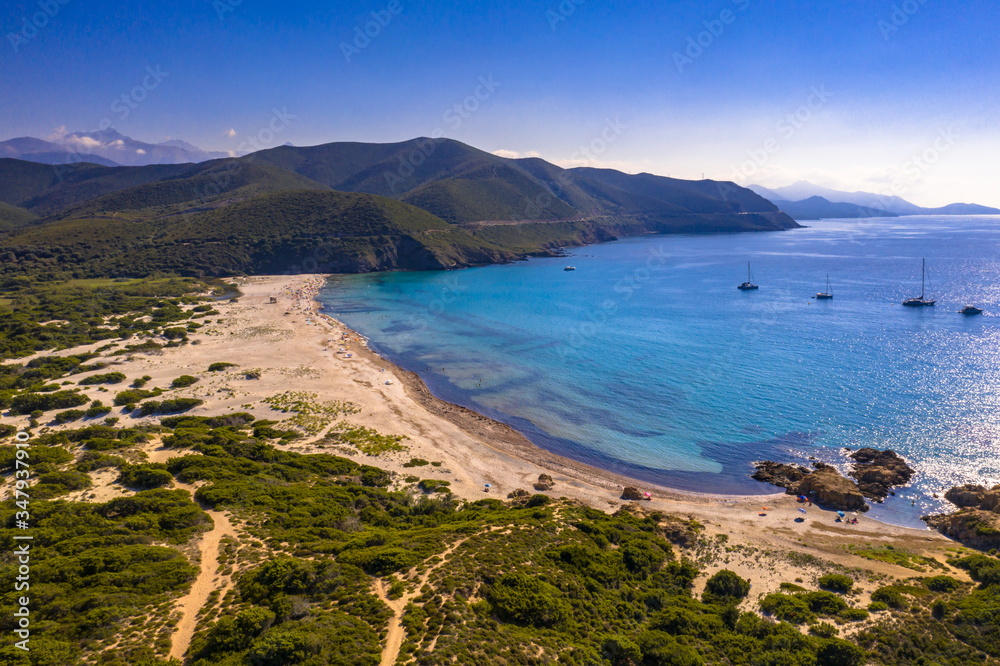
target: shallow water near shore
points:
(647, 361)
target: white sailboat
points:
(921, 301)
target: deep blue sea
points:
(648, 361)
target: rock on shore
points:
(970, 527)
(977, 522)
(878, 472)
(825, 485)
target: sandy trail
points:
(206, 582)
(394, 641)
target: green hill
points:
(272, 233)
(46, 189)
(12, 217)
(462, 184)
(199, 188)
(451, 205)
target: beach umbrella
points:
(489, 485)
(802, 511)
(841, 514)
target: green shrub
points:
(941, 584)
(54, 484)
(836, 582)
(108, 378)
(853, 614)
(620, 651)
(788, 608)
(219, 367)
(133, 396)
(527, 601)
(183, 382)
(94, 460)
(434, 486)
(824, 603)
(97, 409)
(727, 585)
(416, 462)
(878, 606)
(661, 649)
(145, 476)
(890, 596)
(43, 458)
(836, 652)
(175, 406)
(823, 630)
(69, 415)
(26, 403)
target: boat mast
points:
(923, 276)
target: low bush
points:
(727, 585)
(941, 584)
(183, 382)
(836, 582)
(26, 403)
(175, 406)
(69, 415)
(145, 476)
(107, 378)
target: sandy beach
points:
(294, 347)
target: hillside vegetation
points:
(417, 205)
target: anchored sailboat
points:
(922, 301)
(748, 285)
(825, 295)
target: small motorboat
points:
(971, 310)
(570, 268)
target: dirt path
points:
(394, 641)
(206, 582)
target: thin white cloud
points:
(514, 155)
(231, 132)
(140, 151)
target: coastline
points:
(764, 529)
(291, 347)
(506, 441)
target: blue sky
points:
(854, 95)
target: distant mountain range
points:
(342, 207)
(104, 147)
(808, 201)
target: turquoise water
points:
(649, 362)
